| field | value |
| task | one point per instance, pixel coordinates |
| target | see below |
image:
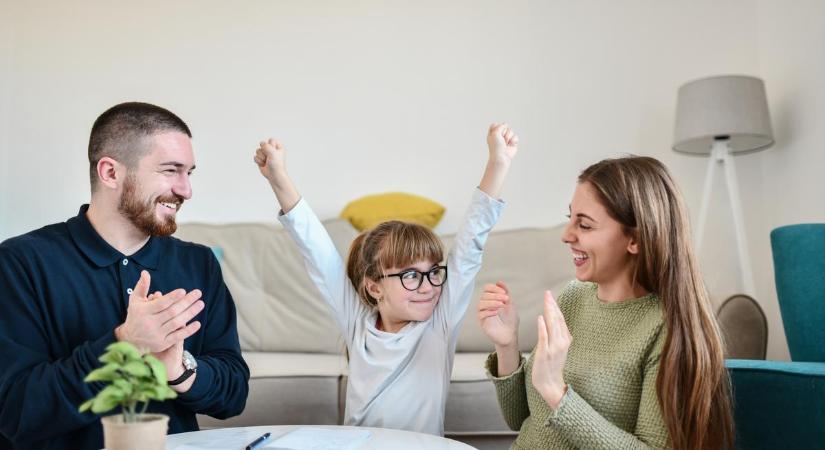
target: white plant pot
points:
(148, 433)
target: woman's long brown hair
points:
(693, 385)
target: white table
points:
(238, 438)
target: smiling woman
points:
(630, 356)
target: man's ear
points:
(110, 173)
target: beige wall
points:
(372, 96)
(790, 176)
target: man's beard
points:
(142, 213)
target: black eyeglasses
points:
(412, 279)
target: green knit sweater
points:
(611, 400)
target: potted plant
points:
(132, 381)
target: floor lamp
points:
(718, 117)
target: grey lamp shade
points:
(728, 106)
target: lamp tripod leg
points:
(703, 210)
(739, 224)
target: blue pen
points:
(257, 442)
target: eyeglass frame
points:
(420, 280)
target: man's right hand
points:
(154, 326)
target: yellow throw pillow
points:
(369, 211)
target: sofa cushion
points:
(368, 211)
(529, 261)
(278, 306)
(279, 364)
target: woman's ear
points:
(633, 244)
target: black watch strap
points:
(183, 377)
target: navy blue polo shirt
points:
(63, 291)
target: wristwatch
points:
(190, 365)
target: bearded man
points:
(114, 273)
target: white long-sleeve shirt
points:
(397, 380)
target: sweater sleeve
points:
(325, 266)
(586, 428)
(511, 392)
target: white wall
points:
(372, 96)
(368, 97)
(792, 62)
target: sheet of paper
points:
(236, 440)
(306, 438)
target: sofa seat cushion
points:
(472, 403)
(280, 364)
(289, 389)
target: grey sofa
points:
(295, 353)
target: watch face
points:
(189, 361)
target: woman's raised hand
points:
(551, 352)
(497, 315)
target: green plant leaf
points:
(137, 369)
(158, 369)
(124, 386)
(105, 373)
(132, 379)
(102, 405)
(107, 399)
(112, 358)
(164, 393)
(129, 351)
(86, 405)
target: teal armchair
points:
(777, 404)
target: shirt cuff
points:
(201, 387)
(289, 217)
(482, 196)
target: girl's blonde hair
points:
(693, 385)
(389, 244)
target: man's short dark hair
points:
(121, 131)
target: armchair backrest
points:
(799, 268)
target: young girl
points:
(631, 355)
(397, 306)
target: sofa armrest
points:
(778, 404)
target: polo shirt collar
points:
(100, 252)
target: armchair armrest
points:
(778, 404)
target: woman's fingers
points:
(548, 314)
(484, 305)
(495, 296)
(560, 330)
(485, 314)
(543, 340)
(495, 288)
